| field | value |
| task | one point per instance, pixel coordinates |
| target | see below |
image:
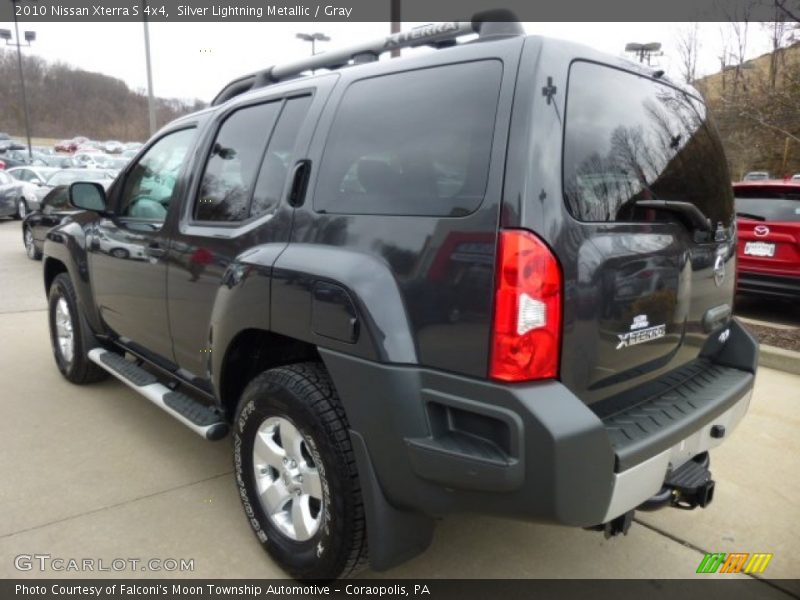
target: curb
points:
(778, 358)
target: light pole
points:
(30, 36)
(394, 9)
(313, 38)
(151, 105)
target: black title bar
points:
(379, 10)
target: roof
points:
(768, 183)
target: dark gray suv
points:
(493, 278)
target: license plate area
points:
(764, 249)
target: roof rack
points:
(488, 24)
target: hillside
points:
(65, 102)
(757, 110)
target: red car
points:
(768, 250)
(70, 145)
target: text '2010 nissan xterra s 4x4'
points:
(494, 278)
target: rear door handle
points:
(155, 250)
(300, 175)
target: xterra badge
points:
(640, 332)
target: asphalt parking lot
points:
(98, 472)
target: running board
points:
(196, 416)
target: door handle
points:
(155, 250)
(300, 175)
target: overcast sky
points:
(194, 60)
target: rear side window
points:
(413, 143)
(630, 138)
(276, 164)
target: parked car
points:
(15, 158)
(133, 146)
(796, 177)
(301, 240)
(2, 164)
(92, 160)
(757, 176)
(768, 251)
(112, 147)
(63, 146)
(9, 144)
(60, 177)
(32, 174)
(54, 208)
(16, 197)
(115, 164)
(129, 154)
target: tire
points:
(282, 405)
(30, 246)
(22, 209)
(120, 253)
(65, 318)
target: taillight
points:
(526, 337)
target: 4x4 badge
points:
(640, 332)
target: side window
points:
(58, 199)
(276, 164)
(150, 184)
(412, 143)
(234, 162)
(23, 175)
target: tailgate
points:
(651, 272)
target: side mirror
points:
(88, 195)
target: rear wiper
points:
(689, 211)
(750, 216)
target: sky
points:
(195, 60)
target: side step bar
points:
(196, 416)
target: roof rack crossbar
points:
(437, 34)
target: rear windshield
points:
(769, 204)
(630, 138)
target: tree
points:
(688, 48)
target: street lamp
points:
(151, 103)
(313, 38)
(30, 36)
(644, 51)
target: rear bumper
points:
(441, 443)
(773, 285)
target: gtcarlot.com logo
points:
(735, 562)
(47, 562)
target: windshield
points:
(67, 177)
(769, 204)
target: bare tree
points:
(688, 48)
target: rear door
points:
(236, 203)
(639, 279)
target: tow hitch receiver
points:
(687, 487)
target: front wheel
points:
(297, 475)
(22, 209)
(70, 336)
(30, 246)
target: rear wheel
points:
(297, 475)
(70, 336)
(30, 246)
